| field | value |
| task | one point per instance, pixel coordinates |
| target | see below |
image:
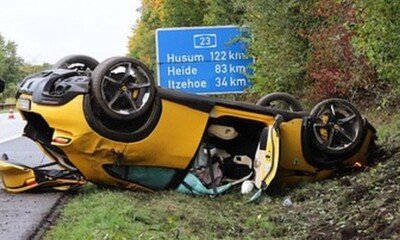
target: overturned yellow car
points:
(109, 124)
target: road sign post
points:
(203, 60)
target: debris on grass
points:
(287, 202)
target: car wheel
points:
(123, 88)
(77, 62)
(337, 127)
(280, 101)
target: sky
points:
(47, 30)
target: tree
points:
(223, 12)
(278, 44)
(10, 64)
(142, 43)
(28, 69)
(378, 36)
(183, 13)
(162, 13)
(333, 67)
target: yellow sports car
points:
(109, 124)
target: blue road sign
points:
(204, 60)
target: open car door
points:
(267, 156)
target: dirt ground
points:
(356, 204)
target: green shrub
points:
(313, 48)
(333, 67)
(278, 46)
(378, 36)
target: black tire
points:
(123, 95)
(336, 127)
(122, 131)
(280, 101)
(78, 62)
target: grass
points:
(360, 204)
(390, 130)
(111, 214)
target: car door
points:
(267, 156)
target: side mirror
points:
(2, 85)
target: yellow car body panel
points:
(14, 176)
(69, 116)
(220, 111)
(177, 137)
(17, 178)
(174, 138)
(291, 151)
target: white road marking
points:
(9, 139)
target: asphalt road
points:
(21, 214)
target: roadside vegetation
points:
(313, 49)
(13, 68)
